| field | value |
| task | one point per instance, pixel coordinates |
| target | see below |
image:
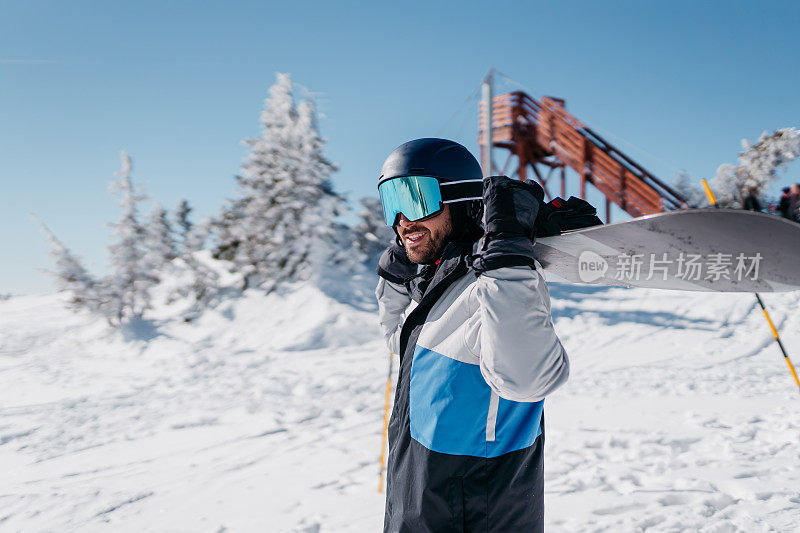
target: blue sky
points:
(179, 84)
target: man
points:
(477, 348)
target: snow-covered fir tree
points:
(203, 286)
(226, 229)
(182, 222)
(282, 225)
(315, 234)
(130, 283)
(757, 166)
(159, 241)
(688, 188)
(195, 238)
(372, 235)
(71, 276)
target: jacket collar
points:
(431, 282)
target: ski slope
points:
(265, 414)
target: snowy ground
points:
(266, 413)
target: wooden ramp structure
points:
(543, 136)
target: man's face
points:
(424, 240)
(794, 189)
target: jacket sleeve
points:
(393, 300)
(521, 358)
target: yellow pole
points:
(778, 340)
(385, 422)
(709, 193)
(713, 200)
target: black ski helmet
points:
(446, 161)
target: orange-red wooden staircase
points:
(544, 134)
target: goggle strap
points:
(460, 191)
(462, 200)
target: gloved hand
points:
(510, 209)
(395, 266)
(510, 206)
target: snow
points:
(265, 414)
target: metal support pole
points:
(488, 143)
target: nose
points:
(403, 221)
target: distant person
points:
(783, 203)
(794, 202)
(751, 201)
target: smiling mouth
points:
(414, 237)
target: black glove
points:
(510, 208)
(559, 215)
(395, 266)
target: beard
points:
(430, 246)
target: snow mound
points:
(265, 414)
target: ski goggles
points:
(421, 197)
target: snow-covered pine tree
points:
(687, 187)
(225, 229)
(131, 280)
(159, 241)
(195, 239)
(282, 224)
(758, 165)
(71, 276)
(204, 285)
(372, 235)
(184, 225)
(246, 227)
(317, 207)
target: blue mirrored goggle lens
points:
(415, 197)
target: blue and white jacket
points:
(478, 354)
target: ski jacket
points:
(478, 354)
(794, 207)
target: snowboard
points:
(714, 250)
